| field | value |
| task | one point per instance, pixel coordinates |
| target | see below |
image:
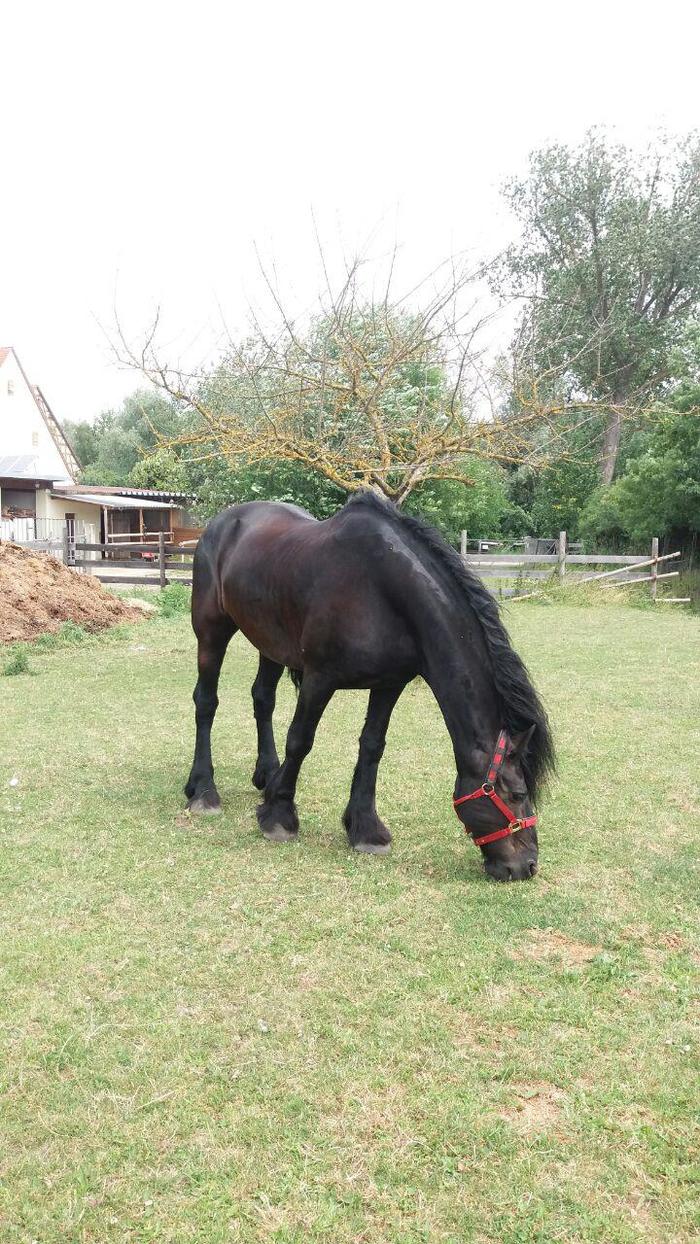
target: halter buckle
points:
(488, 788)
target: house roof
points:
(112, 502)
(161, 495)
(22, 466)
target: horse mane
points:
(519, 704)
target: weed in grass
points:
(17, 662)
(174, 600)
(71, 634)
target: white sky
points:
(145, 147)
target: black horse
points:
(369, 598)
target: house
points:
(39, 473)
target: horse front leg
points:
(364, 829)
(277, 814)
(212, 643)
(264, 694)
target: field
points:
(205, 1037)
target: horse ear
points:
(519, 742)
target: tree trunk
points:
(611, 441)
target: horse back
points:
(305, 593)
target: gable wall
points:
(22, 428)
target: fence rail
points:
(512, 569)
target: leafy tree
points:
(659, 490)
(83, 440)
(112, 448)
(609, 266)
(118, 451)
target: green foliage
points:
(173, 600)
(118, 452)
(111, 451)
(559, 494)
(161, 469)
(217, 485)
(83, 439)
(660, 491)
(17, 662)
(479, 508)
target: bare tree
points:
(369, 391)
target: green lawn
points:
(209, 1038)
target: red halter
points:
(487, 789)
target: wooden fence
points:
(156, 561)
(515, 571)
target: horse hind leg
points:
(264, 691)
(213, 639)
(277, 814)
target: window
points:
(35, 440)
(10, 387)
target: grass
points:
(209, 1038)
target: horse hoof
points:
(278, 833)
(372, 848)
(203, 807)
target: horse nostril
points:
(509, 874)
(533, 867)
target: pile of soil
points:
(38, 593)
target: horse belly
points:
(364, 644)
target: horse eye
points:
(520, 794)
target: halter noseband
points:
(514, 823)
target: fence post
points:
(161, 557)
(463, 543)
(654, 565)
(69, 541)
(561, 554)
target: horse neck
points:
(458, 671)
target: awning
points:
(111, 502)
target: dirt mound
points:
(38, 593)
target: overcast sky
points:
(145, 149)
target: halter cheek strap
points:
(487, 791)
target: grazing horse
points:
(369, 598)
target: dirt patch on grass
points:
(38, 593)
(536, 1108)
(543, 944)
